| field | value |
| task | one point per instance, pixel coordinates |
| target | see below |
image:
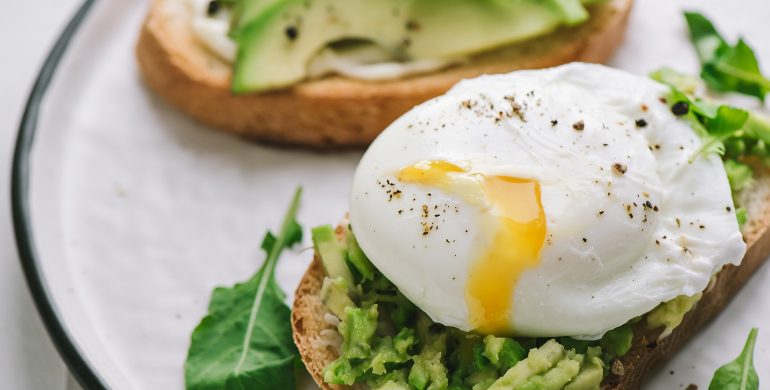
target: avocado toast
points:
(338, 111)
(582, 348)
(311, 329)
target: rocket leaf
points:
(726, 68)
(723, 129)
(738, 174)
(708, 43)
(245, 342)
(727, 123)
(740, 373)
(685, 83)
(712, 121)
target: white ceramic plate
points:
(128, 213)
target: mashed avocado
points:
(671, 313)
(391, 344)
(334, 294)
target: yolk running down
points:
(514, 204)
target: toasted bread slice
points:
(309, 313)
(337, 112)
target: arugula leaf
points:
(753, 141)
(708, 43)
(725, 67)
(739, 175)
(685, 83)
(727, 123)
(713, 122)
(726, 130)
(742, 215)
(618, 340)
(758, 127)
(245, 342)
(740, 373)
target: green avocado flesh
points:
(245, 11)
(277, 38)
(390, 344)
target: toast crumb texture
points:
(646, 352)
(337, 112)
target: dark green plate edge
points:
(22, 225)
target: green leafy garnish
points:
(713, 122)
(245, 342)
(727, 122)
(734, 133)
(742, 215)
(740, 373)
(739, 175)
(726, 68)
(728, 131)
(618, 340)
(685, 83)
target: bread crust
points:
(337, 112)
(307, 322)
(646, 353)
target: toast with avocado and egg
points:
(565, 228)
(261, 69)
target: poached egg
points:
(541, 203)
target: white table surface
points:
(28, 360)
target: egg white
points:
(608, 257)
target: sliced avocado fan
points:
(278, 38)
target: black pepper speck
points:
(620, 167)
(213, 7)
(292, 32)
(680, 108)
(579, 125)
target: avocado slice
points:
(282, 36)
(245, 11)
(334, 295)
(332, 254)
(275, 48)
(591, 372)
(537, 362)
(453, 28)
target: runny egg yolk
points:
(513, 214)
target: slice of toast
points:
(337, 112)
(309, 313)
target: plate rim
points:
(68, 349)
